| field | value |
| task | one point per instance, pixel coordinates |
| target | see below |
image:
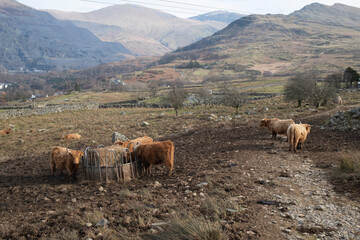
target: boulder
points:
(117, 136)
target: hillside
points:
(311, 38)
(32, 39)
(143, 30)
(219, 16)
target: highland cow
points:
(297, 134)
(65, 159)
(156, 153)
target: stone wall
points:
(47, 109)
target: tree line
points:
(308, 87)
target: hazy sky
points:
(187, 8)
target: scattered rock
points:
(74, 200)
(145, 124)
(212, 117)
(250, 233)
(101, 189)
(42, 130)
(248, 112)
(123, 113)
(88, 225)
(231, 210)
(157, 184)
(202, 184)
(345, 121)
(103, 223)
(153, 225)
(265, 202)
(228, 118)
(319, 207)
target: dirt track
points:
(241, 166)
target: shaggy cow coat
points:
(276, 126)
(156, 153)
(65, 159)
(72, 136)
(5, 131)
(297, 134)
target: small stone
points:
(153, 231)
(46, 199)
(201, 194)
(50, 212)
(21, 140)
(250, 233)
(319, 207)
(42, 130)
(202, 184)
(194, 194)
(123, 113)
(231, 210)
(145, 124)
(88, 225)
(74, 200)
(101, 189)
(158, 224)
(157, 184)
(103, 223)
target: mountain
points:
(219, 16)
(321, 37)
(142, 30)
(337, 14)
(32, 39)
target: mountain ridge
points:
(151, 25)
(34, 39)
(294, 42)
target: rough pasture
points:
(248, 184)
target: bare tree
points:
(306, 88)
(299, 87)
(153, 88)
(139, 89)
(205, 96)
(232, 97)
(321, 94)
(335, 79)
(177, 97)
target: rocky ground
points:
(229, 173)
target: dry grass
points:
(191, 228)
(349, 168)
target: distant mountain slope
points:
(219, 16)
(320, 37)
(143, 26)
(337, 14)
(35, 40)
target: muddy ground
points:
(255, 189)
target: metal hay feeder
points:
(112, 163)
